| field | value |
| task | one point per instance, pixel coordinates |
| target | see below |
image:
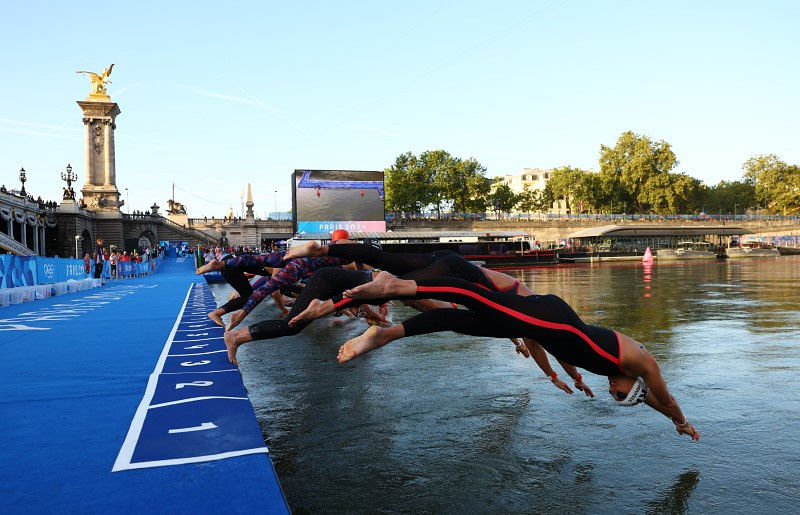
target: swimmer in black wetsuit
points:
(633, 374)
(329, 283)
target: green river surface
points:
(447, 423)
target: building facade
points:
(534, 179)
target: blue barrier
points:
(17, 271)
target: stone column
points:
(87, 122)
(35, 230)
(11, 227)
(107, 149)
(42, 244)
(99, 114)
(23, 232)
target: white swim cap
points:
(637, 394)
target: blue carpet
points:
(77, 370)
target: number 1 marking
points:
(201, 427)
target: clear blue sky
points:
(215, 95)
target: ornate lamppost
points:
(69, 194)
(22, 179)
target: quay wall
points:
(544, 230)
(550, 230)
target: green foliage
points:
(634, 177)
(729, 197)
(777, 184)
(409, 186)
(503, 199)
(531, 200)
(630, 171)
(435, 178)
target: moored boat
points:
(688, 250)
(752, 250)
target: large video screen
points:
(325, 200)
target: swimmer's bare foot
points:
(316, 309)
(234, 339)
(370, 340)
(302, 251)
(212, 266)
(236, 318)
(383, 285)
(216, 317)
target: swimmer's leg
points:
(233, 340)
(212, 266)
(216, 316)
(316, 309)
(373, 338)
(312, 249)
(384, 285)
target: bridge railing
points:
(147, 217)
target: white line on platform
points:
(193, 399)
(197, 459)
(197, 353)
(200, 339)
(125, 455)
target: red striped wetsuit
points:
(545, 318)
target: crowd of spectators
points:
(106, 260)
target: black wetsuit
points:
(329, 283)
(545, 318)
(397, 263)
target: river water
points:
(451, 423)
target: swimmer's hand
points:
(520, 347)
(688, 429)
(561, 385)
(580, 385)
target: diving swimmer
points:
(633, 374)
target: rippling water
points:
(451, 423)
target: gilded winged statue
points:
(99, 81)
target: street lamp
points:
(77, 239)
(22, 179)
(69, 177)
(127, 198)
(276, 204)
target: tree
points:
(563, 182)
(408, 185)
(777, 184)
(730, 197)
(530, 200)
(437, 178)
(503, 198)
(626, 169)
(463, 184)
(439, 165)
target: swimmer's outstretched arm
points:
(540, 356)
(636, 361)
(577, 377)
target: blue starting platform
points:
(121, 399)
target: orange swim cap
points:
(340, 234)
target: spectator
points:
(114, 257)
(99, 255)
